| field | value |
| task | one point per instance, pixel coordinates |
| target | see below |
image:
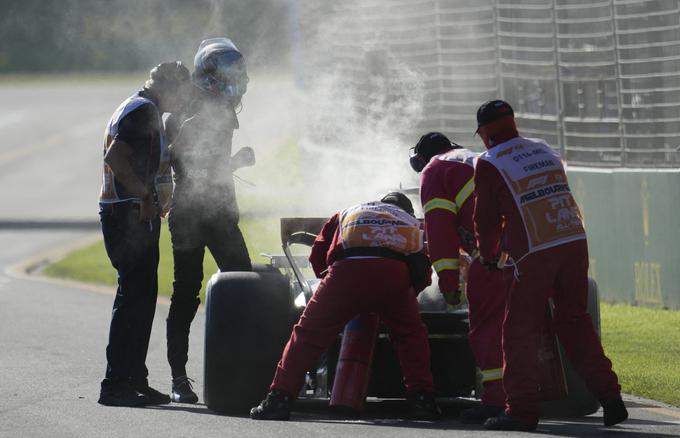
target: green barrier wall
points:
(632, 219)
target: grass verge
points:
(91, 264)
(643, 344)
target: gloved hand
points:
(243, 158)
(452, 297)
(490, 265)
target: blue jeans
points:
(132, 247)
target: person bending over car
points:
(446, 193)
(361, 257)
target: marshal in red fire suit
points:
(351, 286)
(446, 192)
(524, 208)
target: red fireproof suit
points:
(350, 287)
(560, 272)
(446, 194)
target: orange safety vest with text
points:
(535, 175)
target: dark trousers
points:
(352, 287)
(191, 234)
(561, 273)
(132, 247)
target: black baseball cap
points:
(491, 111)
(400, 200)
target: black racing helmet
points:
(220, 69)
(400, 200)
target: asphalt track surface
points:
(53, 334)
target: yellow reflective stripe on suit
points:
(452, 206)
(445, 264)
(492, 374)
(465, 192)
(442, 203)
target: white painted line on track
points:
(53, 140)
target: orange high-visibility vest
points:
(377, 224)
(535, 175)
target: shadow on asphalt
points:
(393, 413)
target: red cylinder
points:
(354, 362)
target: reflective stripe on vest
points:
(445, 265)
(492, 374)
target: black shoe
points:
(422, 406)
(121, 394)
(153, 396)
(275, 407)
(479, 414)
(182, 391)
(614, 411)
(504, 422)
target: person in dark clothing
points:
(135, 160)
(204, 212)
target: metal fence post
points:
(619, 85)
(559, 120)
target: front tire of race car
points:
(247, 323)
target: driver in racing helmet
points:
(204, 213)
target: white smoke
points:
(341, 138)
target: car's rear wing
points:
(292, 225)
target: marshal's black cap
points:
(491, 111)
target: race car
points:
(249, 317)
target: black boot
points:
(505, 422)
(153, 396)
(422, 406)
(182, 391)
(614, 411)
(121, 394)
(275, 407)
(479, 414)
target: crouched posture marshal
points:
(362, 256)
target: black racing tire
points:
(248, 317)
(579, 401)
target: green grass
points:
(643, 344)
(91, 264)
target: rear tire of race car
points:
(248, 317)
(579, 401)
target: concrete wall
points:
(632, 219)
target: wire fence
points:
(598, 79)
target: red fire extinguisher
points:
(354, 362)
